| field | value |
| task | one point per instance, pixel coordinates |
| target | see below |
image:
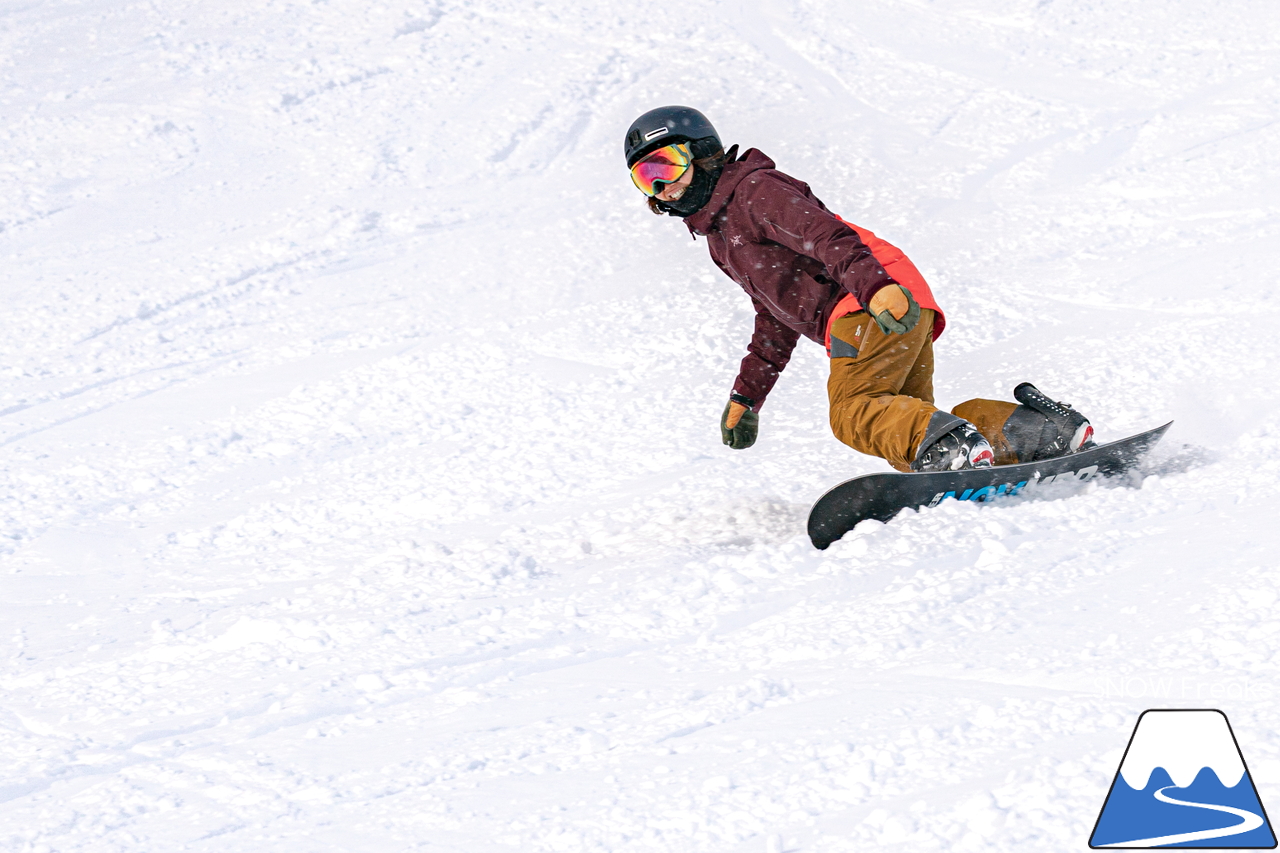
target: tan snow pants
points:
(881, 392)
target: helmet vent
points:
(663, 126)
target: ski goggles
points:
(663, 166)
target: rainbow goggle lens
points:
(663, 166)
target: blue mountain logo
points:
(1183, 783)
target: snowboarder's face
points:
(675, 189)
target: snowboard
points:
(882, 496)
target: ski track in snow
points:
(361, 482)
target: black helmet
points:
(665, 126)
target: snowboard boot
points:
(1043, 429)
(960, 447)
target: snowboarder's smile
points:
(673, 191)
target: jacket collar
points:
(734, 173)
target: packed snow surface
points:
(362, 483)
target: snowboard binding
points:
(960, 448)
(1061, 429)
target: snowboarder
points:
(808, 272)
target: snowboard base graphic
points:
(882, 496)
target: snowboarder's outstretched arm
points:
(767, 355)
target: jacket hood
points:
(753, 160)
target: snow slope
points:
(361, 485)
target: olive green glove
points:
(894, 309)
(739, 426)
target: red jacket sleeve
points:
(768, 353)
(786, 213)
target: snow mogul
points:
(809, 272)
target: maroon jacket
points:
(794, 258)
